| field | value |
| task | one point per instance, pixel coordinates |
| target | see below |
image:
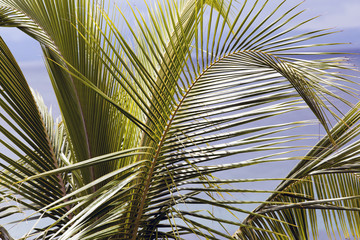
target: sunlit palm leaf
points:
(155, 115)
(35, 148)
(333, 174)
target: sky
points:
(342, 15)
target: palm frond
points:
(35, 151)
(331, 174)
(160, 112)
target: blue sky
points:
(343, 15)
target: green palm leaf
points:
(161, 113)
(327, 168)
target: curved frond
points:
(164, 112)
(29, 139)
(331, 185)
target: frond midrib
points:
(164, 135)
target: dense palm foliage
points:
(164, 112)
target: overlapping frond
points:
(216, 83)
(60, 27)
(28, 142)
(44, 171)
(161, 112)
(330, 179)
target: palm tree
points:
(163, 115)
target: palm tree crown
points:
(164, 113)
